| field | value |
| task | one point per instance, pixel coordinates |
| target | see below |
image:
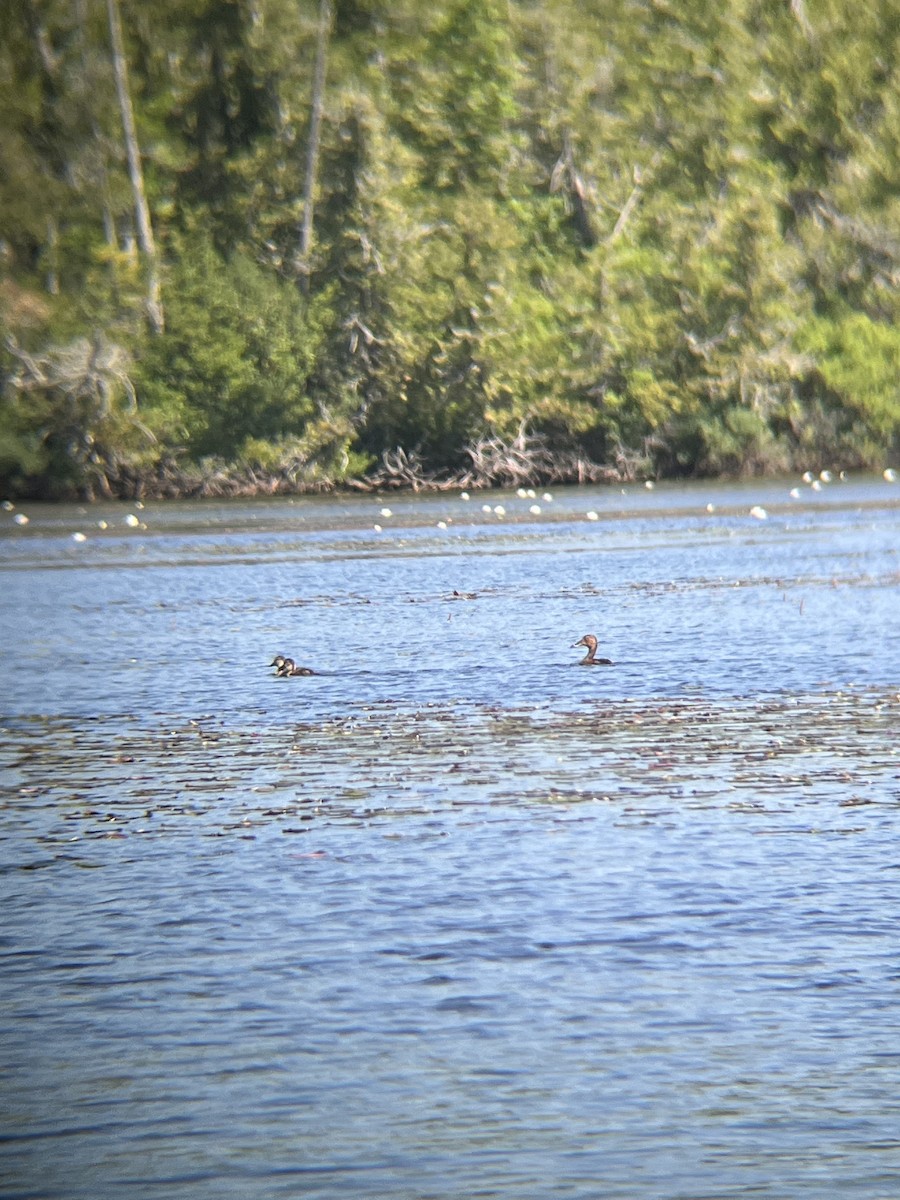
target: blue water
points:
(455, 916)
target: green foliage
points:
(858, 361)
(69, 423)
(646, 232)
(233, 363)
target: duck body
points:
(590, 659)
(286, 668)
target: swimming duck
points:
(590, 659)
(287, 667)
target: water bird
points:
(590, 659)
(285, 668)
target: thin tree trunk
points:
(326, 13)
(52, 256)
(135, 171)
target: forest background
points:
(251, 245)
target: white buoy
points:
(386, 512)
(889, 475)
(535, 509)
(499, 510)
(78, 537)
(464, 495)
(759, 512)
(20, 519)
(132, 521)
(592, 516)
(795, 493)
(710, 508)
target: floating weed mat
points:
(819, 756)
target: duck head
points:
(588, 640)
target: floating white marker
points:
(132, 521)
(815, 486)
(710, 508)
(759, 512)
(548, 497)
(889, 474)
(521, 493)
(825, 476)
(592, 516)
(78, 537)
(20, 519)
(795, 493)
(442, 524)
(386, 512)
(807, 476)
(535, 509)
(102, 525)
(464, 495)
(648, 484)
(499, 510)
(485, 508)
(7, 506)
(377, 528)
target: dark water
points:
(455, 917)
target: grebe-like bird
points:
(590, 659)
(286, 667)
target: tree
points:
(315, 125)
(70, 424)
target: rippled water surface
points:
(454, 917)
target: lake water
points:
(455, 917)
